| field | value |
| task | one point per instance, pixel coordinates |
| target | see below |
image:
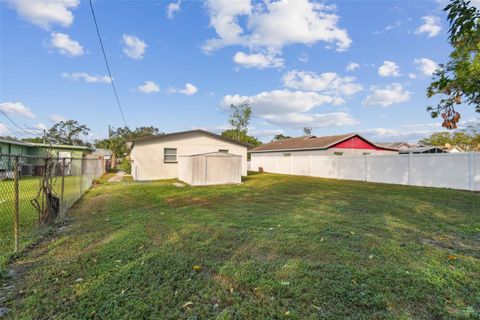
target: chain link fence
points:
(36, 192)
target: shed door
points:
(218, 169)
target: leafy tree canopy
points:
(243, 136)
(458, 80)
(280, 137)
(468, 139)
(68, 132)
(240, 118)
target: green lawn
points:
(275, 247)
(28, 216)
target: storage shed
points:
(210, 168)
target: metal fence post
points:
(16, 212)
(62, 204)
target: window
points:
(287, 154)
(223, 150)
(338, 153)
(366, 153)
(170, 155)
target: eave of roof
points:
(335, 140)
(174, 134)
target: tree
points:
(457, 81)
(117, 140)
(307, 131)
(67, 132)
(280, 137)
(240, 118)
(233, 134)
(468, 139)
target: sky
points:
(334, 66)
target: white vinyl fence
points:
(453, 170)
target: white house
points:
(157, 157)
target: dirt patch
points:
(178, 202)
(452, 244)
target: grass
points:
(275, 247)
(28, 216)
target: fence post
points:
(62, 205)
(16, 212)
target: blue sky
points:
(336, 66)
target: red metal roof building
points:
(346, 144)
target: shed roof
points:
(308, 143)
(180, 133)
(216, 153)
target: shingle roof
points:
(306, 142)
(173, 134)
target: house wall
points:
(147, 156)
(327, 152)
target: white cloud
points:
(57, 118)
(386, 96)
(4, 130)
(389, 69)
(66, 46)
(45, 13)
(134, 47)
(303, 57)
(17, 109)
(426, 66)
(431, 26)
(316, 120)
(352, 66)
(172, 8)
(188, 90)
(272, 25)
(412, 76)
(407, 132)
(257, 60)
(86, 77)
(280, 101)
(148, 87)
(328, 82)
(40, 127)
(292, 108)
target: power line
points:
(15, 124)
(106, 63)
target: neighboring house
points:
(452, 149)
(22, 148)
(397, 145)
(339, 145)
(423, 150)
(157, 157)
(33, 152)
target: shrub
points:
(126, 165)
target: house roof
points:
(394, 145)
(180, 133)
(307, 143)
(216, 153)
(33, 144)
(423, 149)
(16, 142)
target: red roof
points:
(350, 141)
